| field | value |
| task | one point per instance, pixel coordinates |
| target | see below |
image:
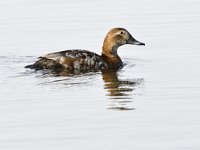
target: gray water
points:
(153, 103)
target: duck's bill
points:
(134, 42)
(138, 43)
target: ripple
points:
(119, 91)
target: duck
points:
(80, 60)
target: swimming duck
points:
(84, 60)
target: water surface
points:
(152, 103)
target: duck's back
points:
(79, 60)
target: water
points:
(152, 103)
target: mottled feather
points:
(81, 60)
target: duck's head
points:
(117, 37)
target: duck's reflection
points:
(120, 92)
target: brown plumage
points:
(83, 60)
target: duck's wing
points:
(81, 60)
(69, 54)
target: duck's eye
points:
(122, 32)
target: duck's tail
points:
(44, 63)
(30, 66)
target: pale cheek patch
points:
(126, 37)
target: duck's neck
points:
(109, 54)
